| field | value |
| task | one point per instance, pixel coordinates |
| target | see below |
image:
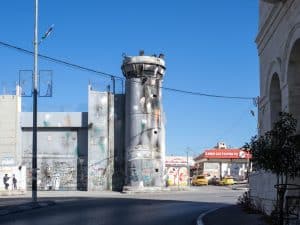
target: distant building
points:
(177, 170)
(222, 161)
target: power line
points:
(111, 76)
(207, 95)
(59, 61)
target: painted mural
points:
(177, 176)
(54, 174)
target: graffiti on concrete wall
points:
(99, 162)
(145, 147)
(98, 175)
(57, 174)
(145, 173)
(177, 176)
(57, 158)
(7, 161)
(53, 173)
(133, 173)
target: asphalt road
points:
(176, 208)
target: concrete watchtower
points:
(145, 130)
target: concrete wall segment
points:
(100, 140)
(10, 130)
(76, 151)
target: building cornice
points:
(271, 24)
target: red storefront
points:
(223, 162)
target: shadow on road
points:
(111, 211)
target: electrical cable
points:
(111, 76)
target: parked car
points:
(199, 180)
(227, 180)
(214, 181)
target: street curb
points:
(24, 207)
(143, 190)
(240, 189)
(200, 221)
(12, 193)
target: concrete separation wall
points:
(10, 151)
(100, 144)
(59, 148)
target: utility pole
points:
(108, 137)
(248, 165)
(187, 166)
(34, 113)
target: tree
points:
(276, 151)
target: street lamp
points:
(36, 43)
(34, 113)
(187, 165)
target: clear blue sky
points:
(209, 47)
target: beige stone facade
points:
(278, 43)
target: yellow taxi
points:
(199, 180)
(227, 180)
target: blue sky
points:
(208, 45)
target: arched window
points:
(275, 98)
(293, 77)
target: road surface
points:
(170, 208)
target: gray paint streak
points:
(119, 151)
(53, 119)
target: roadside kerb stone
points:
(136, 190)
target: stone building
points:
(278, 43)
(178, 170)
(221, 162)
(91, 151)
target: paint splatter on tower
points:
(144, 123)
